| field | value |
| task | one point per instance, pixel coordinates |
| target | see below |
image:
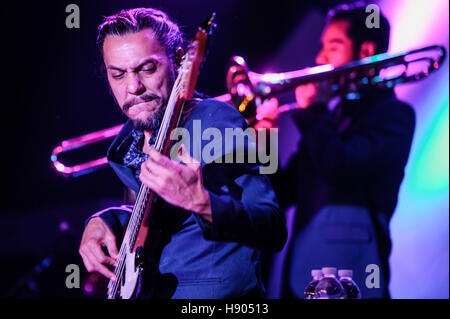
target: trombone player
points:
(345, 177)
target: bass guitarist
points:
(210, 220)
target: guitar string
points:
(122, 253)
(119, 269)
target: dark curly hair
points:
(134, 20)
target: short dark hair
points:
(134, 20)
(355, 14)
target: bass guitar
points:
(129, 261)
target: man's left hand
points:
(178, 184)
(311, 93)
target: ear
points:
(178, 56)
(368, 48)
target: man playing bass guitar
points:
(209, 220)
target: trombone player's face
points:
(338, 48)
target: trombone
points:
(247, 89)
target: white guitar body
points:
(130, 278)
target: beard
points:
(152, 123)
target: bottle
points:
(310, 290)
(329, 286)
(351, 288)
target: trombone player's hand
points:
(305, 95)
(267, 115)
(315, 92)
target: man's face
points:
(337, 47)
(140, 75)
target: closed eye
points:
(149, 69)
(118, 75)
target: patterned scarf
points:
(135, 157)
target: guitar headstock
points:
(193, 58)
(208, 25)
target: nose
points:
(321, 58)
(134, 84)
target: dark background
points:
(51, 91)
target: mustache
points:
(142, 99)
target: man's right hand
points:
(305, 94)
(267, 115)
(96, 235)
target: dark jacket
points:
(344, 181)
(189, 257)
